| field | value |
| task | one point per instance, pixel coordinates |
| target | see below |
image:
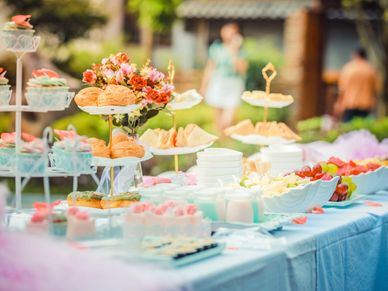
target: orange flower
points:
(138, 82)
(89, 76)
(156, 97)
(123, 58)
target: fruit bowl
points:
(302, 199)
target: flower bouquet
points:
(151, 88)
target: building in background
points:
(316, 38)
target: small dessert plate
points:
(185, 100)
(119, 162)
(261, 139)
(178, 150)
(354, 199)
(266, 102)
(108, 110)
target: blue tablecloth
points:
(342, 249)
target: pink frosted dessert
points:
(80, 224)
(167, 218)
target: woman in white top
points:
(224, 77)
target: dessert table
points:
(343, 249)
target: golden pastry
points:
(127, 148)
(119, 138)
(88, 96)
(116, 95)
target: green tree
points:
(373, 33)
(64, 19)
(153, 16)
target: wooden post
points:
(304, 42)
(202, 42)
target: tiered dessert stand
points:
(173, 107)
(119, 162)
(19, 48)
(256, 139)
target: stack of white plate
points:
(218, 166)
(283, 158)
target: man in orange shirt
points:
(357, 87)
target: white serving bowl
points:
(302, 199)
(370, 182)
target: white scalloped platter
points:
(266, 102)
(108, 110)
(119, 162)
(193, 98)
(261, 139)
(178, 150)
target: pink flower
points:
(119, 76)
(155, 76)
(168, 88)
(109, 73)
(104, 61)
(127, 69)
(89, 77)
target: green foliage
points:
(259, 54)
(5, 122)
(66, 19)
(80, 56)
(310, 129)
(156, 15)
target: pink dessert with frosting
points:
(167, 218)
(80, 224)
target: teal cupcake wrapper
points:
(7, 157)
(72, 162)
(49, 98)
(5, 95)
(19, 39)
(31, 164)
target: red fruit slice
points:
(44, 73)
(317, 169)
(22, 20)
(318, 176)
(336, 161)
(352, 163)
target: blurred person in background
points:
(224, 76)
(358, 85)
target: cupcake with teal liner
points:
(72, 153)
(18, 34)
(47, 220)
(32, 159)
(47, 89)
(5, 92)
(7, 148)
